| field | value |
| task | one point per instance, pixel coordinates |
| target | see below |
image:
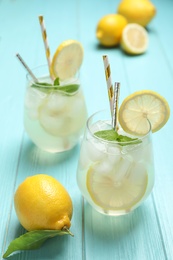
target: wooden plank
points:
(147, 232)
(28, 43)
(110, 237)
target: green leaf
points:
(69, 88)
(126, 140)
(33, 240)
(112, 135)
(109, 135)
(46, 87)
(56, 81)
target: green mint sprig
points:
(33, 240)
(47, 87)
(112, 135)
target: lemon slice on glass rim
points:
(67, 59)
(139, 108)
(134, 39)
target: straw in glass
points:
(27, 68)
(46, 45)
(115, 106)
(108, 81)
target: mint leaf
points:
(125, 139)
(41, 85)
(33, 240)
(109, 135)
(56, 82)
(46, 87)
(69, 88)
(112, 135)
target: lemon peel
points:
(42, 203)
(109, 29)
(137, 11)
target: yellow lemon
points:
(109, 29)
(67, 59)
(137, 11)
(41, 202)
(139, 108)
(134, 39)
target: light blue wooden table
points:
(145, 234)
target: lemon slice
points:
(112, 192)
(134, 39)
(139, 108)
(67, 59)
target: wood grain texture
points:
(145, 234)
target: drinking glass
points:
(114, 177)
(54, 119)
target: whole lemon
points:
(41, 202)
(109, 29)
(137, 11)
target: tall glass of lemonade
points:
(55, 111)
(116, 167)
(54, 115)
(114, 176)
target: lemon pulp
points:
(67, 59)
(139, 108)
(117, 190)
(134, 39)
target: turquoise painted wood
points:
(145, 234)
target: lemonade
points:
(54, 117)
(114, 176)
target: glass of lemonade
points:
(54, 117)
(114, 177)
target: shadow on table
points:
(108, 228)
(31, 153)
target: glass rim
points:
(140, 137)
(70, 81)
(29, 78)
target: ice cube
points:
(51, 122)
(84, 160)
(95, 149)
(33, 100)
(122, 169)
(114, 154)
(56, 102)
(138, 173)
(103, 167)
(100, 125)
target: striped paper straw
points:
(46, 45)
(115, 106)
(27, 68)
(108, 81)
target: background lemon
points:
(137, 11)
(109, 29)
(41, 202)
(134, 39)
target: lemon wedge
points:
(67, 59)
(139, 108)
(121, 189)
(134, 39)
